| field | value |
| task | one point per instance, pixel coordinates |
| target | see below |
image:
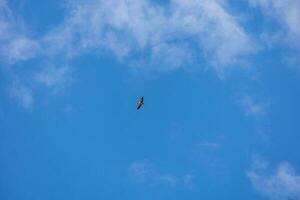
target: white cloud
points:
(252, 107)
(213, 145)
(282, 183)
(14, 44)
(287, 13)
(146, 172)
(22, 94)
(20, 48)
(139, 30)
(54, 78)
(139, 33)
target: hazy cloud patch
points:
(21, 94)
(147, 173)
(280, 183)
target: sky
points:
(221, 113)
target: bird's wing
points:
(142, 99)
(139, 105)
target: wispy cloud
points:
(141, 32)
(54, 78)
(147, 173)
(253, 107)
(20, 48)
(286, 13)
(213, 145)
(15, 45)
(281, 183)
(21, 94)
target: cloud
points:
(20, 48)
(145, 172)
(140, 31)
(55, 79)
(209, 145)
(22, 94)
(287, 13)
(252, 107)
(14, 44)
(281, 183)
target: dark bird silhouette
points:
(140, 103)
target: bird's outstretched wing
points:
(140, 103)
(139, 106)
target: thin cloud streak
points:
(209, 145)
(145, 172)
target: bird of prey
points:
(140, 103)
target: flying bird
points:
(140, 103)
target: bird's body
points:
(140, 103)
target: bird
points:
(140, 103)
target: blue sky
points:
(221, 85)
